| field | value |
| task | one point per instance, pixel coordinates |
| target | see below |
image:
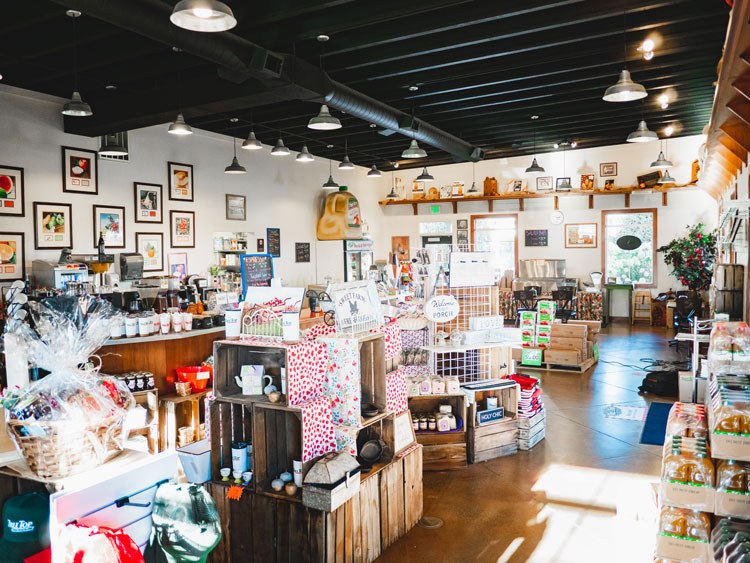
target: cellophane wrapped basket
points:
(71, 420)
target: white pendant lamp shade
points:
(374, 172)
(235, 167)
(346, 164)
(667, 179)
(425, 176)
(642, 134)
(661, 163)
(179, 127)
(280, 148)
(252, 143)
(414, 151)
(76, 107)
(534, 168)
(324, 121)
(203, 15)
(304, 155)
(625, 90)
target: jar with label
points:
(438, 386)
(452, 385)
(446, 413)
(423, 422)
(431, 423)
(415, 422)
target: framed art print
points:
(235, 207)
(53, 225)
(178, 264)
(462, 224)
(544, 184)
(12, 191)
(581, 235)
(12, 257)
(182, 229)
(149, 207)
(180, 181)
(80, 171)
(608, 169)
(588, 181)
(260, 244)
(151, 247)
(109, 221)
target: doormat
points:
(656, 424)
(626, 412)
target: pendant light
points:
(642, 134)
(374, 172)
(280, 148)
(414, 151)
(76, 107)
(252, 143)
(179, 126)
(330, 184)
(346, 164)
(425, 176)
(235, 167)
(203, 15)
(625, 90)
(112, 145)
(666, 179)
(473, 189)
(324, 121)
(534, 168)
(392, 194)
(661, 163)
(304, 155)
(565, 186)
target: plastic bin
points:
(198, 376)
(196, 461)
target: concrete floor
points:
(585, 493)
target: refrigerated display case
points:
(358, 257)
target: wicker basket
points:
(67, 448)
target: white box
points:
(685, 382)
(484, 323)
(474, 337)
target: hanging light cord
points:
(624, 28)
(75, 55)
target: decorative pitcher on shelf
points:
(252, 381)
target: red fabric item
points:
(83, 544)
(41, 557)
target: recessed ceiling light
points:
(73, 13)
(413, 88)
(176, 49)
(574, 144)
(373, 125)
(234, 119)
(329, 146)
(110, 87)
(648, 45)
(323, 38)
(534, 117)
(556, 145)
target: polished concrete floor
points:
(585, 493)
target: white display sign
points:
(471, 269)
(441, 308)
(357, 306)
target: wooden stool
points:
(641, 306)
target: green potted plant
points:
(692, 257)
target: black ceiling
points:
(482, 67)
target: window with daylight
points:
(497, 234)
(621, 260)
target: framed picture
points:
(180, 181)
(517, 185)
(544, 184)
(462, 224)
(462, 237)
(151, 247)
(182, 229)
(608, 169)
(53, 225)
(110, 222)
(12, 191)
(236, 205)
(588, 181)
(581, 235)
(178, 264)
(609, 185)
(260, 244)
(80, 171)
(12, 257)
(559, 182)
(149, 206)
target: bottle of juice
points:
(342, 219)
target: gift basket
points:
(71, 420)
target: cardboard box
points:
(567, 343)
(735, 505)
(569, 331)
(542, 341)
(670, 547)
(527, 318)
(562, 357)
(517, 352)
(594, 327)
(687, 496)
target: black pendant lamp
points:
(392, 194)
(473, 189)
(330, 183)
(235, 167)
(76, 107)
(534, 168)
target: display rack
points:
(229, 246)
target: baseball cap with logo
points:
(25, 526)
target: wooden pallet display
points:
(259, 528)
(231, 355)
(442, 450)
(228, 422)
(496, 439)
(583, 367)
(373, 369)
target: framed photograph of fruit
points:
(180, 181)
(148, 203)
(109, 221)
(80, 171)
(53, 225)
(12, 257)
(12, 191)
(182, 229)
(151, 247)
(588, 181)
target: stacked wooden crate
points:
(488, 439)
(442, 450)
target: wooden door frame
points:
(654, 212)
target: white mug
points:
(131, 327)
(165, 320)
(233, 323)
(144, 326)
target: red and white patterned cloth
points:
(318, 330)
(396, 397)
(317, 429)
(306, 365)
(392, 333)
(346, 438)
(343, 380)
(411, 339)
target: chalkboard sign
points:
(536, 237)
(302, 251)
(257, 270)
(274, 242)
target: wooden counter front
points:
(160, 355)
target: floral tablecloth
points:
(346, 438)
(396, 397)
(343, 380)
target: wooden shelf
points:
(522, 197)
(373, 419)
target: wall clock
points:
(556, 218)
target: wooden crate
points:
(175, 412)
(494, 440)
(507, 397)
(228, 421)
(372, 369)
(442, 450)
(230, 356)
(398, 432)
(149, 400)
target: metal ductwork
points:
(239, 60)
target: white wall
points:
(280, 192)
(683, 209)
